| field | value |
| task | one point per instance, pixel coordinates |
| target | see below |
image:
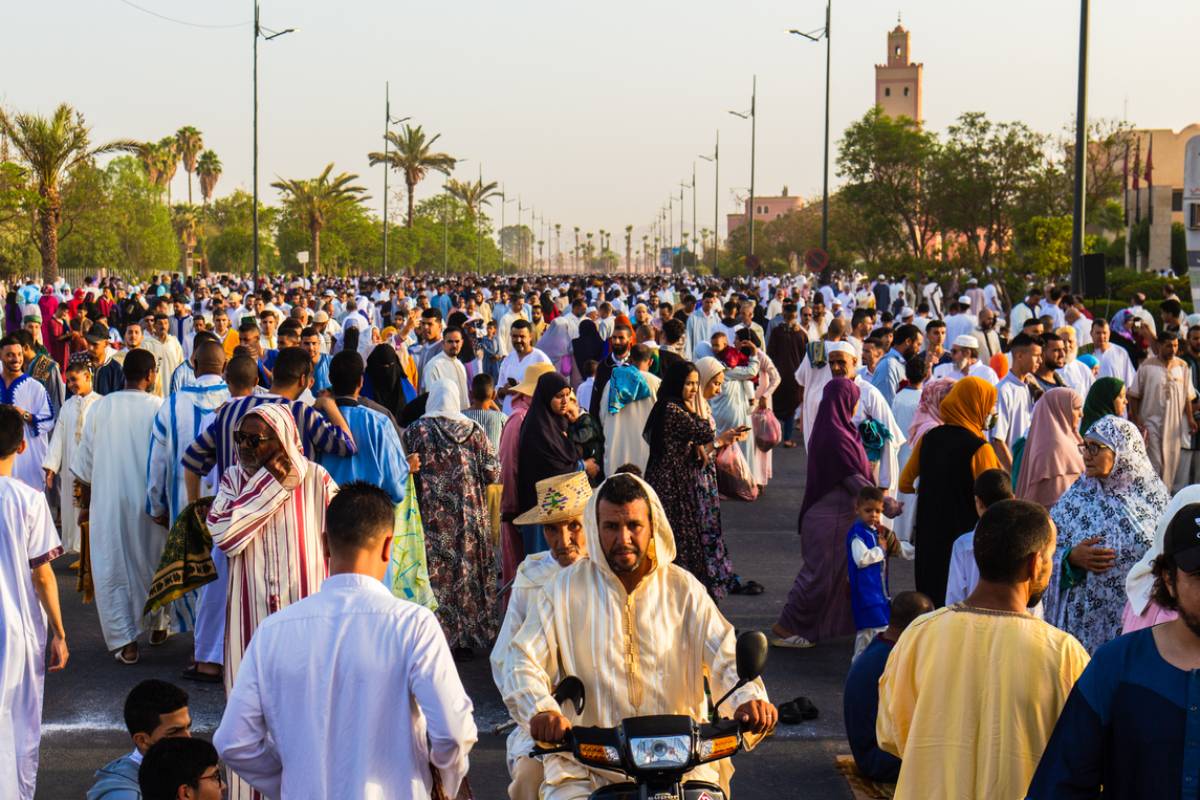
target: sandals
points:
(123, 659)
(158, 638)
(794, 642)
(747, 588)
(193, 674)
(801, 709)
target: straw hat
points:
(532, 373)
(559, 498)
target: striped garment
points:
(214, 447)
(271, 533)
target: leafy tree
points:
(227, 234)
(887, 163)
(980, 174)
(317, 200)
(189, 142)
(168, 162)
(413, 156)
(51, 147)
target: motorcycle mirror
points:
(571, 688)
(752, 649)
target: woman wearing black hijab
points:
(682, 469)
(545, 448)
(588, 346)
(385, 381)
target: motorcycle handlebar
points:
(567, 745)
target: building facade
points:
(1156, 193)
(766, 209)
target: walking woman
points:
(947, 460)
(682, 470)
(1106, 523)
(818, 606)
(1052, 462)
(457, 464)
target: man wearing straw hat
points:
(561, 501)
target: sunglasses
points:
(249, 439)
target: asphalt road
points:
(82, 726)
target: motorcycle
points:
(655, 752)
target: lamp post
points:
(816, 36)
(504, 201)
(716, 161)
(258, 31)
(388, 122)
(1079, 209)
(751, 115)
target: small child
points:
(587, 371)
(991, 487)
(869, 544)
(484, 409)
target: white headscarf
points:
(444, 402)
(1139, 583)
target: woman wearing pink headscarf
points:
(1052, 461)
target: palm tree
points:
(315, 200)
(186, 223)
(412, 154)
(473, 194)
(558, 239)
(52, 147)
(589, 250)
(646, 252)
(628, 247)
(148, 153)
(189, 142)
(208, 167)
(576, 248)
(168, 164)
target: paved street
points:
(83, 728)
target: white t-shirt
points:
(1014, 410)
(514, 367)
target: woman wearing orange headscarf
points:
(1052, 461)
(947, 460)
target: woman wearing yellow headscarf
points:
(947, 460)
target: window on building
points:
(906, 91)
(897, 51)
(887, 92)
(1177, 200)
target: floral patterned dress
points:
(1123, 508)
(457, 464)
(688, 491)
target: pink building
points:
(766, 209)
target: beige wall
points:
(766, 209)
(898, 83)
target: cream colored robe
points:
(1164, 394)
(638, 653)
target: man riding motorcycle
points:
(640, 632)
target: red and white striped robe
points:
(272, 536)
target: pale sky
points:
(593, 113)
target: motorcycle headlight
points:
(661, 752)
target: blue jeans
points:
(533, 539)
(788, 427)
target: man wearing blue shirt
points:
(889, 372)
(861, 699)
(1131, 726)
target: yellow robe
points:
(637, 654)
(969, 699)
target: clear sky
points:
(592, 112)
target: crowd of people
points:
(335, 483)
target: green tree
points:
(189, 142)
(981, 173)
(51, 147)
(168, 162)
(887, 163)
(317, 200)
(226, 236)
(413, 156)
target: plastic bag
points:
(767, 431)
(734, 478)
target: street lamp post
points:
(1079, 209)
(716, 161)
(388, 122)
(751, 115)
(258, 31)
(816, 36)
